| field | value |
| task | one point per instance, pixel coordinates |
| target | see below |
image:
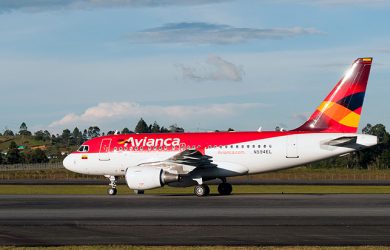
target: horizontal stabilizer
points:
(342, 141)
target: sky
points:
(203, 65)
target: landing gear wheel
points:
(225, 188)
(201, 190)
(111, 191)
(113, 179)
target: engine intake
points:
(141, 178)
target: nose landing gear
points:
(112, 190)
(201, 190)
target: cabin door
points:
(104, 152)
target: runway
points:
(187, 220)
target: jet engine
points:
(141, 178)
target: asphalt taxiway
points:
(188, 220)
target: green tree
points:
(164, 130)
(155, 128)
(93, 132)
(1, 158)
(141, 127)
(39, 135)
(126, 131)
(23, 126)
(47, 136)
(375, 156)
(13, 154)
(38, 156)
(65, 137)
(175, 129)
(85, 135)
(8, 132)
(23, 130)
(77, 137)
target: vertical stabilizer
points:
(340, 111)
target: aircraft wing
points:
(193, 158)
(183, 162)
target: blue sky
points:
(201, 64)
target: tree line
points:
(60, 144)
(375, 157)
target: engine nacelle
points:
(141, 178)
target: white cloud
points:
(43, 5)
(112, 111)
(214, 69)
(208, 33)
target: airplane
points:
(149, 161)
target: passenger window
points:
(253, 146)
(115, 149)
(248, 146)
(141, 148)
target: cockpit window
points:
(83, 148)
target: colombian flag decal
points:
(84, 157)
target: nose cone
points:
(68, 163)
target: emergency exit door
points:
(292, 147)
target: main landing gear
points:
(223, 189)
(112, 190)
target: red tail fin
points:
(341, 109)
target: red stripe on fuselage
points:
(198, 140)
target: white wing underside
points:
(183, 162)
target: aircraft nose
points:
(68, 162)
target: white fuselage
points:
(249, 157)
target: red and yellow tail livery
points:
(340, 111)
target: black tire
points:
(111, 191)
(207, 189)
(201, 190)
(225, 189)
